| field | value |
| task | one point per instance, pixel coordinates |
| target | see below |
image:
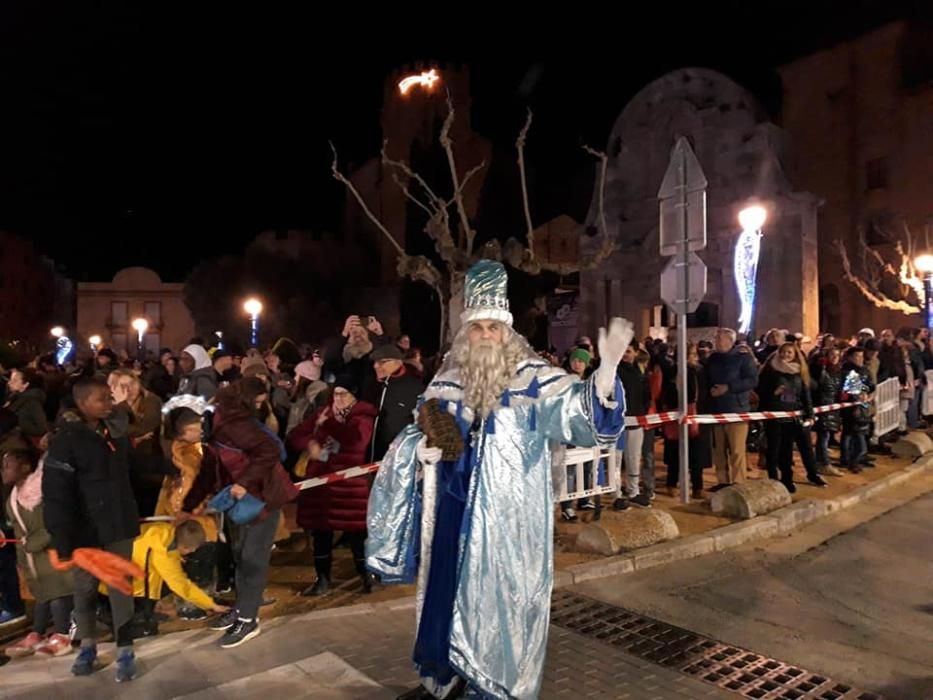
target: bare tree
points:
(454, 238)
(876, 271)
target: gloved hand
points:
(428, 455)
(611, 345)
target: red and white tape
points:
(650, 420)
(350, 473)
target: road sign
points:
(672, 284)
(683, 196)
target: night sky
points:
(164, 136)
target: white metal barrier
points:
(887, 406)
(601, 465)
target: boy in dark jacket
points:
(89, 503)
(856, 421)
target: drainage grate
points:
(729, 667)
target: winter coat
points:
(305, 405)
(795, 397)
(187, 458)
(891, 364)
(737, 371)
(637, 393)
(342, 504)
(858, 418)
(161, 383)
(29, 408)
(245, 452)
(154, 552)
(201, 382)
(827, 392)
(86, 486)
(44, 582)
(395, 399)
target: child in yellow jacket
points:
(159, 551)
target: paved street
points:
(857, 607)
(351, 653)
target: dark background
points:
(167, 135)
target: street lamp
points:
(95, 341)
(924, 263)
(57, 332)
(140, 325)
(253, 307)
(745, 264)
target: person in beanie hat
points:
(579, 362)
(394, 394)
(336, 437)
(484, 574)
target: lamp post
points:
(95, 341)
(220, 339)
(924, 263)
(57, 332)
(140, 325)
(253, 307)
(745, 263)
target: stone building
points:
(743, 155)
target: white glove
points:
(428, 455)
(611, 346)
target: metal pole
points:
(682, 340)
(928, 299)
(254, 330)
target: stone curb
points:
(779, 522)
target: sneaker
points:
(586, 504)
(55, 645)
(817, 480)
(568, 515)
(191, 613)
(641, 500)
(26, 646)
(619, 504)
(224, 588)
(9, 618)
(224, 622)
(86, 663)
(126, 666)
(240, 633)
(651, 496)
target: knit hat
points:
(486, 293)
(582, 355)
(348, 382)
(389, 351)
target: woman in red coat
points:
(336, 437)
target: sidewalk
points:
(359, 652)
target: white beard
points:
(485, 372)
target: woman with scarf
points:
(336, 437)
(784, 385)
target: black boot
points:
(322, 585)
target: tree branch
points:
(520, 147)
(340, 177)
(874, 295)
(607, 248)
(452, 164)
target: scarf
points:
(342, 414)
(29, 495)
(785, 367)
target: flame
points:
(425, 80)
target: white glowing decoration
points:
(745, 266)
(425, 80)
(63, 348)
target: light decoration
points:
(63, 348)
(427, 79)
(745, 264)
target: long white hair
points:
(486, 370)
